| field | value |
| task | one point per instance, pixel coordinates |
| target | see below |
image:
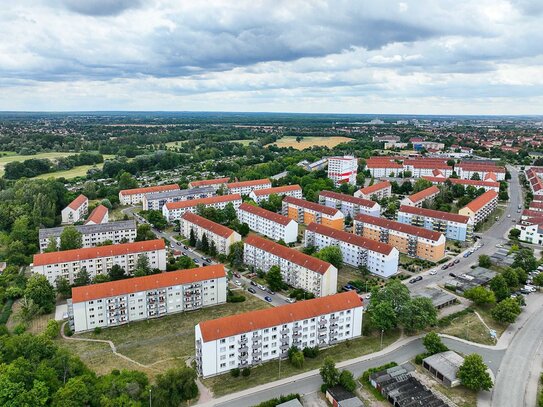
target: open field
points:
(173, 144)
(470, 327)
(79, 171)
(268, 372)
(308, 142)
(244, 142)
(11, 157)
(36, 326)
(169, 339)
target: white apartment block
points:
(268, 223)
(76, 210)
(384, 168)
(220, 235)
(135, 196)
(156, 201)
(481, 207)
(256, 337)
(246, 187)
(99, 260)
(343, 169)
(93, 235)
(381, 259)
(174, 210)
(378, 191)
(216, 183)
(119, 302)
(418, 198)
(468, 170)
(287, 190)
(298, 269)
(349, 205)
(99, 215)
(426, 169)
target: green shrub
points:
(311, 352)
(246, 372)
(278, 400)
(235, 372)
(97, 330)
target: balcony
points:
(243, 349)
(284, 347)
(285, 331)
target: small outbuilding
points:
(338, 396)
(291, 403)
(444, 367)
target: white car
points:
(433, 272)
(238, 283)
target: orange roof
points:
(348, 198)
(207, 224)
(154, 281)
(351, 238)
(292, 255)
(399, 227)
(263, 213)
(100, 251)
(77, 202)
(383, 164)
(482, 200)
(202, 201)
(207, 182)
(251, 183)
(490, 176)
(375, 187)
(480, 167)
(254, 320)
(149, 190)
(425, 164)
(430, 213)
(97, 215)
(277, 190)
(424, 194)
(463, 181)
(302, 203)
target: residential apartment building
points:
(481, 207)
(454, 226)
(93, 234)
(531, 229)
(343, 170)
(76, 210)
(388, 166)
(216, 183)
(134, 299)
(135, 196)
(383, 167)
(533, 175)
(267, 223)
(246, 187)
(377, 191)
(487, 185)
(156, 201)
(99, 260)
(314, 166)
(286, 190)
(466, 170)
(174, 210)
(298, 269)
(418, 198)
(307, 212)
(349, 205)
(99, 215)
(256, 337)
(221, 236)
(411, 240)
(425, 167)
(381, 259)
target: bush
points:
(445, 321)
(19, 329)
(235, 372)
(246, 372)
(52, 330)
(234, 297)
(298, 360)
(97, 330)
(311, 352)
(421, 356)
(278, 400)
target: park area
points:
(308, 142)
(10, 156)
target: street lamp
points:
(382, 331)
(150, 396)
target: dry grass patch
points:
(470, 328)
(308, 142)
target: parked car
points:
(237, 275)
(251, 290)
(467, 254)
(433, 272)
(205, 264)
(270, 292)
(196, 261)
(456, 261)
(452, 275)
(414, 280)
(269, 299)
(445, 267)
(238, 283)
(290, 300)
(261, 287)
(253, 283)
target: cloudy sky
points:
(359, 56)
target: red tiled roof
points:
(527, 213)
(490, 176)
(148, 190)
(375, 187)
(475, 183)
(482, 200)
(202, 201)
(97, 215)
(351, 238)
(254, 320)
(480, 167)
(292, 255)
(207, 224)
(399, 227)
(348, 198)
(382, 164)
(430, 213)
(424, 194)
(154, 281)
(264, 213)
(302, 203)
(207, 182)
(251, 183)
(277, 190)
(100, 251)
(77, 202)
(439, 164)
(536, 204)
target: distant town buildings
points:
(216, 183)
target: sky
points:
(359, 56)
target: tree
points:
(175, 386)
(82, 278)
(506, 311)
(41, 292)
(126, 181)
(71, 238)
(503, 196)
(433, 343)
(229, 213)
(144, 232)
(383, 315)
(480, 295)
(329, 372)
(116, 272)
(511, 277)
(274, 278)
(52, 245)
(156, 219)
(205, 244)
(421, 184)
(212, 249)
(63, 287)
(346, 379)
(100, 278)
(244, 229)
(514, 234)
(538, 280)
(524, 259)
(192, 238)
(473, 373)
(484, 261)
(142, 266)
(499, 286)
(235, 257)
(394, 292)
(418, 314)
(476, 177)
(298, 359)
(332, 255)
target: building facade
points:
(267, 223)
(307, 212)
(76, 210)
(343, 170)
(376, 191)
(468, 170)
(486, 185)
(174, 210)
(256, 337)
(99, 215)
(349, 205)
(298, 269)
(221, 236)
(481, 207)
(119, 302)
(287, 190)
(418, 198)
(156, 201)
(216, 183)
(246, 187)
(135, 196)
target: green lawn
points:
(244, 142)
(487, 224)
(268, 372)
(12, 157)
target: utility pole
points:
(280, 366)
(150, 397)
